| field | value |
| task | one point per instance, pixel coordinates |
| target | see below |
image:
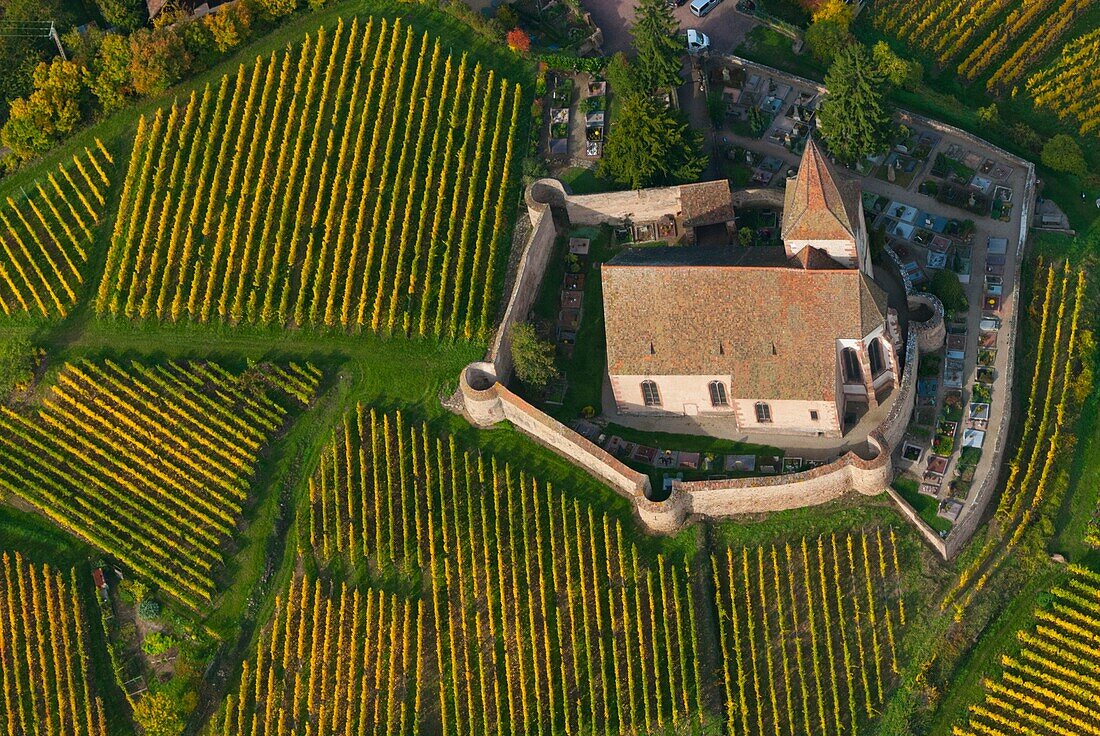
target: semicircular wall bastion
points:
(931, 332)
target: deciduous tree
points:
(518, 40)
(158, 714)
(127, 15)
(828, 34)
(109, 75)
(898, 71)
(532, 357)
(1063, 153)
(158, 59)
(52, 111)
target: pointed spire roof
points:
(818, 204)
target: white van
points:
(702, 7)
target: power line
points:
(32, 29)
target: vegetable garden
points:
(45, 237)
(300, 192)
(44, 653)
(151, 464)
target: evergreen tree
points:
(855, 118)
(651, 145)
(660, 48)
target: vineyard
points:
(46, 236)
(997, 40)
(379, 200)
(1069, 87)
(1050, 687)
(332, 663)
(1059, 296)
(152, 464)
(538, 615)
(809, 633)
(44, 654)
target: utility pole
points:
(57, 39)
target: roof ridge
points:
(815, 205)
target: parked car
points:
(697, 42)
(701, 7)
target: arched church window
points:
(650, 395)
(763, 413)
(718, 396)
(853, 373)
(878, 363)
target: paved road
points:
(725, 26)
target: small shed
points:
(100, 582)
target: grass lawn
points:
(585, 370)
(925, 506)
(585, 181)
(768, 46)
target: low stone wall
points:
(892, 428)
(926, 531)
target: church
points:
(794, 339)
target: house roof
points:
(771, 326)
(819, 204)
(706, 203)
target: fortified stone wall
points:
(487, 401)
(542, 197)
(820, 485)
(617, 208)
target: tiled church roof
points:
(706, 203)
(772, 327)
(818, 204)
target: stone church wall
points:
(719, 498)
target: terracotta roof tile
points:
(818, 204)
(813, 259)
(773, 329)
(706, 203)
